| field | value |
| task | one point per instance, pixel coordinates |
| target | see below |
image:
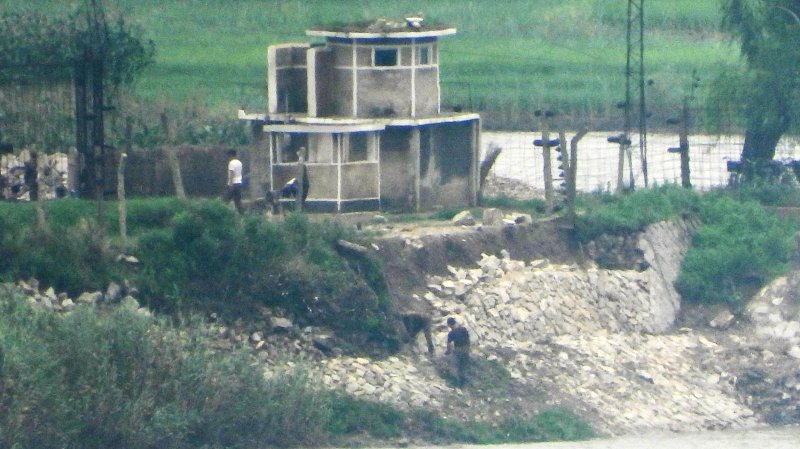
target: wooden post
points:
(487, 164)
(175, 167)
(547, 165)
(41, 219)
(623, 148)
(172, 157)
(122, 207)
(686, 179)
(573, 172)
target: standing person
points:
(234, 183)
(458, 344)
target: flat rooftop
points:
(409, 27)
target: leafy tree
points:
(769, 34)
(36, 47)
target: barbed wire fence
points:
(597, 168)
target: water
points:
(778, 438)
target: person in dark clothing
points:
(458, 345)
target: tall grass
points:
(507, 58)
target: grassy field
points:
(508, 58)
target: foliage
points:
(34, 46)
(74, 258)
(91, 379)
(548, 425)
(769, 34)
(208, 259)
(631, 212)
(739, 248)
(116, 378)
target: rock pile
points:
(585, 331)
(61, 302)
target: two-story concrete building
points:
(364, 106)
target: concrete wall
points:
(323, 82)
(446, 166)
(397, 172)
(203, 169)
(287, 78)
(384, 93)
(405, 90)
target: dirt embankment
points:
(620, 381)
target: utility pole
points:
(683, 133)
(634, 91)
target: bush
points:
(739, 248)
(96, 380)
(632, 212)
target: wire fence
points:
(598, 159)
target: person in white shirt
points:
(234, 184)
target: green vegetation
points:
(625, 214)
(199, 255)
(549, 425)
(98, 380)
(507, 59)
(769, 34)
(738, 248)
(115, 378)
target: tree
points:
(36, 47)
(769, 34)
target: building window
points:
(423, 55)
(384, 57)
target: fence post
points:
(572, 180)
(547, 165)
(683, 144)
(175, 167)
(36, 194)
(686, 179)
(122, 207)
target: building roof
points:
(409, 27)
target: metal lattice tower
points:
(635, 106)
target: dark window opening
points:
(424, 56)
(385, 57)
(358, 147)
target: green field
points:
(508, 58)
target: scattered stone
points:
(492, 217)
(722, 320)
(67, 304)
(113, 292)
(90, 297)
(281, 324)
(463, 218)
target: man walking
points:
(234, 184)
(458, 345)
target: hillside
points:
(552, 333)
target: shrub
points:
(96, 380)
(739, 247)
(633, 211)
